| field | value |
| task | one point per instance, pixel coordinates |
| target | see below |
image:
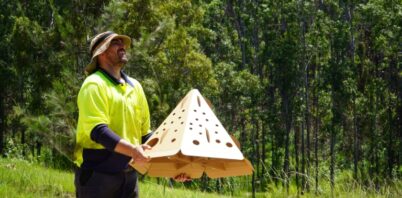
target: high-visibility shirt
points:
(122, 107)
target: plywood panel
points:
(192, 140)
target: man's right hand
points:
(139, 155)
(135, 152)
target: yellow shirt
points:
(122, 107)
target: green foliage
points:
(166, 57)
(13, 149)
(297, 82)
(57, 128)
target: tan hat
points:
(100, 43)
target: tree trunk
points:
(393, 87)
(204, 181)
(296, 142)
(274, 159)
(355, 118)
(315, 90)
(253, 185)
(255, 155)
(305, 63)
(239, 26)
(257, 69)
(218, 185)
(307, 116)
(263, 156)
(272, 124)
(23, 141)
(356, 143)
(2, 123)
(288, 121)
(390, 146)
(399, 125)
(334, 131)
(38, 148)
(243, 133)
(332, 153)
(303, 158)
(316, 139)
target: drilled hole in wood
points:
(175, 130)
(195, 110)
(191, 128)
(181, 122)
(183, 102)
(196, 142)
(218, 141)
(163, 135)
(196, 119)
(229, 144)
(174, 139)
(203, 113)
(191, 123)
(164, 123)
(200, 125)
(179, 117)
(216, 125)
(200, 133)
(171, 122)
(206, 120)
(207, 133)
(216, 132)
(198, 101)
(174, 114)
(153, 142)
(183, 110)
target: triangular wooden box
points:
(192, 140)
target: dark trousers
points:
(89, 183)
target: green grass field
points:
(19, 178)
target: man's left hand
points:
(183, 177)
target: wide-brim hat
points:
(99, 44)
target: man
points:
(113, 123)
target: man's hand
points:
(135, 152)
(183, 177)
(139, 155)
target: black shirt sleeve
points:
(102, 134)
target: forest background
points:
(311, 88)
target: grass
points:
(19, 178)
(345, 187)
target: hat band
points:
(100, 41)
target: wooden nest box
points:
(192, 140)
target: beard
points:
(122, 56)
(118, 58)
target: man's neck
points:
(115, 71)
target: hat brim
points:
(90, 68)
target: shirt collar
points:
(113, 79)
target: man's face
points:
(116, 52)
